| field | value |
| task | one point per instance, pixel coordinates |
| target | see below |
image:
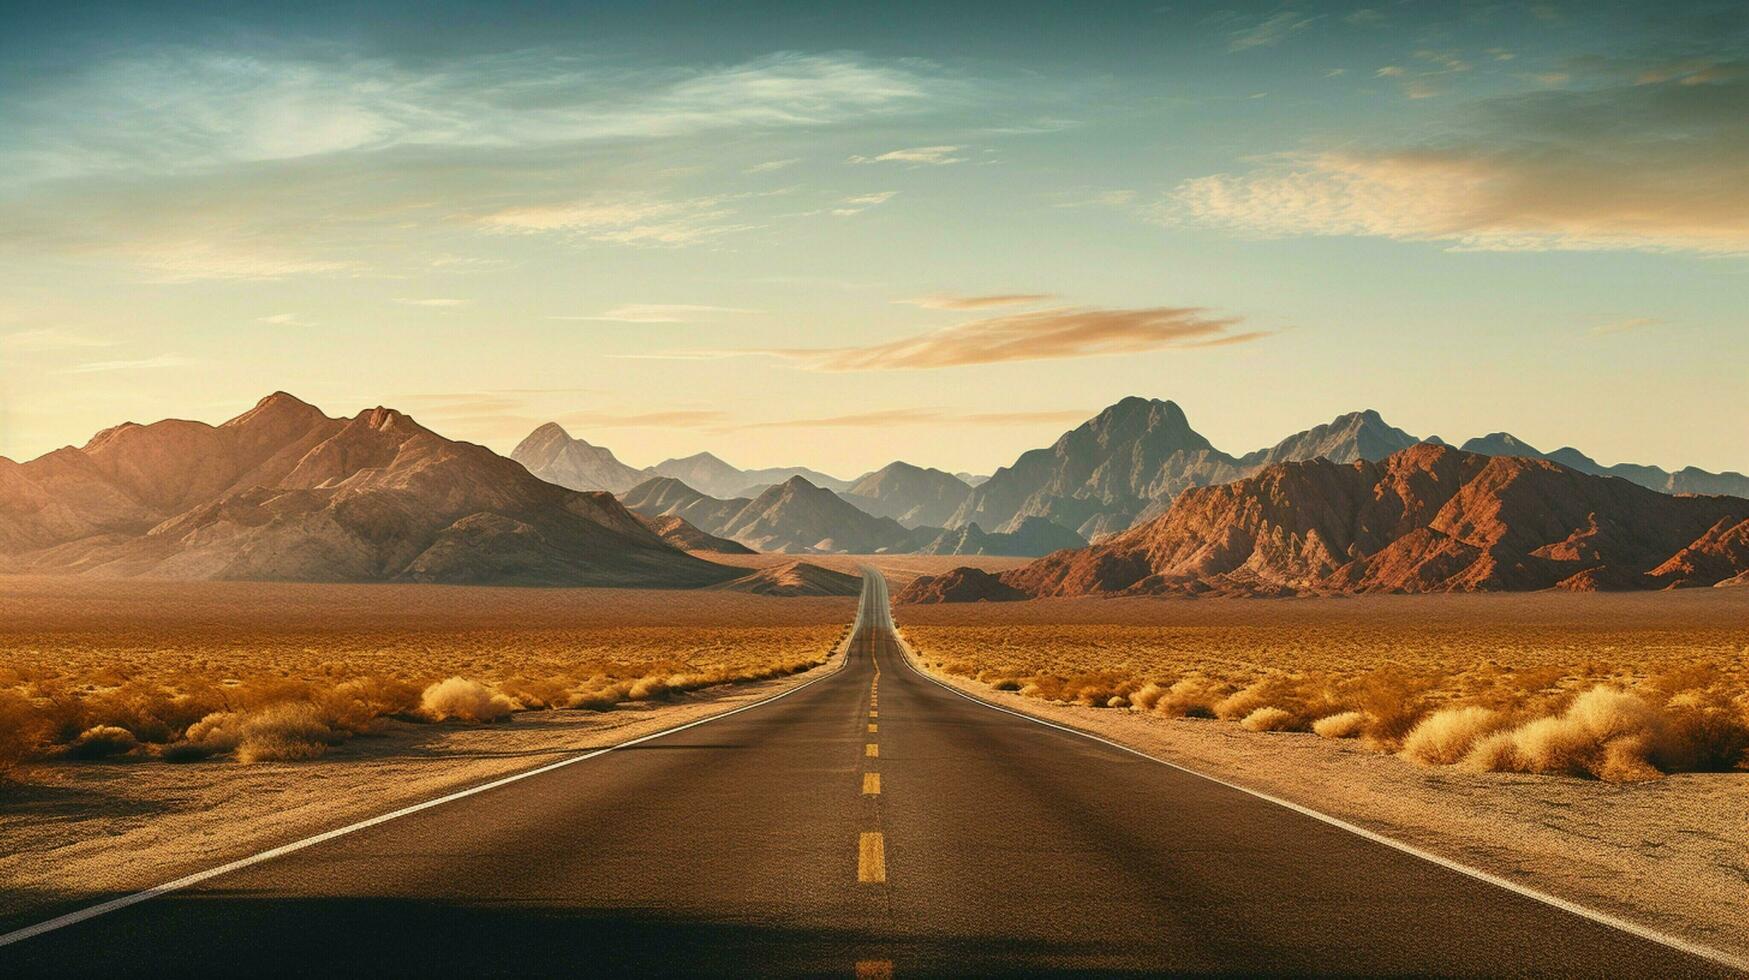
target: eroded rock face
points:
(284, 492)
(960, 585)
(1427, 518)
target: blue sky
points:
(801, 234)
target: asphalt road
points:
(871, 821)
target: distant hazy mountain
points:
(550, 453)
(972, 479)
(1425, 519)
(796, 516)
(664, 495)
(1356, 435)
(911, 495)
(1101, 475)
(284, 492)
(708, 474)
(1689, 479)
(1035, 536)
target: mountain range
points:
(798, 517)
(1121, 467)
(551, 453)
(1427, 518)
(284, 492)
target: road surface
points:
(871, 821)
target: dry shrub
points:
(1393, 700)
(461, 699)
(1147, 696)
(1269, 720)
(22, 731)
(1704, 732)
(359, 705)
(648, 688)
(102, 742)
(1606, 733)
(1446, 736)
(1344, 724)
(287, 732)
(1193, 697)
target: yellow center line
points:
(871, 859)
(871, 750)
(874, 714)
(872, 728)
(871, 784)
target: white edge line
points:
(188, 881)
(1720, 957)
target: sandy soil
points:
(1672, 853)
(81, 829)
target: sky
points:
(794, 234)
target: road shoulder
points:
(96, 831)
(1671, 855)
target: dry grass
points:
(191, 671)
(1610, 687)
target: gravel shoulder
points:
(80, 832)
(1671, 854)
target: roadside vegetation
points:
(1557, 687)
(296, 670)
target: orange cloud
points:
(1037, 335)
(943, 302)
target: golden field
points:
(1616, 687)
(267, 671)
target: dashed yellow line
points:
(872, 728)
(871, 858)
(873, 713)
(871, 750)
(871, 784)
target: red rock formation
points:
(1426, 519)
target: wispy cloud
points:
(940, 301)
(283, 320)
(1063, 332)
(433, 302)
(772, 165)
(49, 338)
(1660, 166)
(141, 364)
(658, 313)
(171, 109)
(862, 202)
(1268, 32)
(670, 419)
(623, 221)
(937, 156)
(187, 261)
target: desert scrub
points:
(186, 672)
(1605, 687)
